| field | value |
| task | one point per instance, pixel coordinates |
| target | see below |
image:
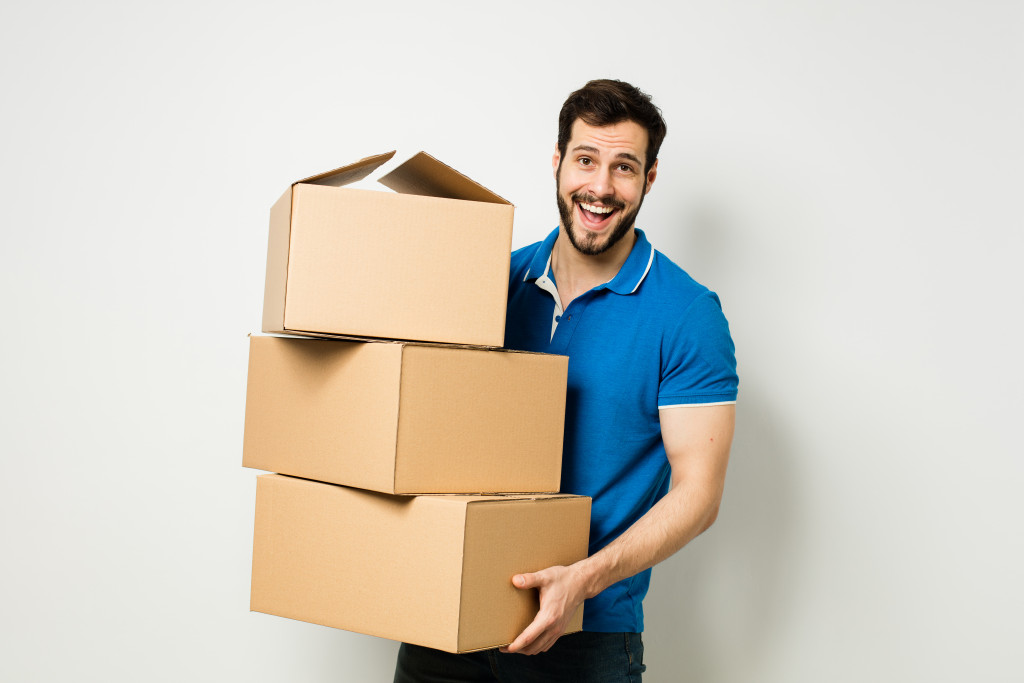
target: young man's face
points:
(600, 183)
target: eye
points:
(626, 168)
(584, 161)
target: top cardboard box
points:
(428, 262)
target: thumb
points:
(525, 581)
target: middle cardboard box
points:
(405, 418)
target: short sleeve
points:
(698, 357)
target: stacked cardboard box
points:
(416, 463)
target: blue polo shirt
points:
(651, 338)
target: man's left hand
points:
(561, 593)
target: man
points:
(651, 398)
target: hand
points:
(561, 593)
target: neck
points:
(577, 273)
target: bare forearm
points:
(697, 443)
(683, 514)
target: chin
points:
(585, 241)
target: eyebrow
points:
(620, 155)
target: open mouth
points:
(595, 216)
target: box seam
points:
(288, 259)
(398, 421)
(462, 577)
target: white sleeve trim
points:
(697, 405)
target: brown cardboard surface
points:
(323, 410)
(429, 263)
(405, 418)
(509, 530)
(430, 570)
(277, 261)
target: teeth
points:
(596, 209)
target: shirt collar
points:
(541, 260)
(626, 281)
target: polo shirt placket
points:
(625, 282)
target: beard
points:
(586, 243)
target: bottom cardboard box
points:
(430, 570)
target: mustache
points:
(586, 198)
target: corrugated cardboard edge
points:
(349, 174)
(299, 334)
(278, 250)
(392, 340)
(397, 466)
(409, 342)
(423, 174)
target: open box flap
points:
(351, 173)
(425, 175)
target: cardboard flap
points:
(425, 175)
(351, 173)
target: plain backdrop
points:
(847, 175)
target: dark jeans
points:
(583, 657)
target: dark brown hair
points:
(606, 102)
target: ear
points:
(554, 162)
(651, 175)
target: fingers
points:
(537, 637)
(537, 626)
(556, 606)
(521, 642)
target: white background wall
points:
(847, 175)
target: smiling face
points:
(600, 183)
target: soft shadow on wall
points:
(728, 591)
(344, 656)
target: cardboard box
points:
(405, 418)
(430, 570)
(427, 262)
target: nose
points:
(601, 183)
